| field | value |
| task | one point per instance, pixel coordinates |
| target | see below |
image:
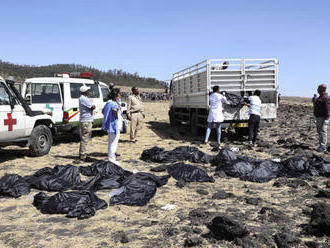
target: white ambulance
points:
(60, 95)
(19, 125)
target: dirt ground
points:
(22, 225)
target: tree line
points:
(116, 76)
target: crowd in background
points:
(149, 96)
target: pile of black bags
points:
(243, 167)
(255, 170)
(136, 189)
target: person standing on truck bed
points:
(135, 113)
(322, 113)
(215, 113)
(86, 119)
(255, 113)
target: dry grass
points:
(22, 225)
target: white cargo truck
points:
(190, 88)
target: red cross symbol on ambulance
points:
(10, 122)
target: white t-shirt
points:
(215, 110)
(255, 105)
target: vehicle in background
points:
(60, 94)
(190, 88)
(19, 125)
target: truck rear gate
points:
(190, 87)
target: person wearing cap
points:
(135, 113)
(86, 119)
(322, 113)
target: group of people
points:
(135, 113)
(112, 120)
(321, 106)
(216, 117)
(149, 96)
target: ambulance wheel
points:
(41, 140)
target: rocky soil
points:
(227, 213)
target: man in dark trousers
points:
(255, 113)
(322, 113)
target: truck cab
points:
(19, 125)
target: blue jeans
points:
(208, 131)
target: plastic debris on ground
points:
(168, 207)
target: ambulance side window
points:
(4, 97)
(45, 93)
(94, 92)
(75, 90)
(105, 94)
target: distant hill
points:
(118, 77)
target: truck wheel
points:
(41, 140)
(173, 122)
(194, 128)
(242, 130)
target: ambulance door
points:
(12, 118)
(96, 97)
(46, 97)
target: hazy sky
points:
(159, 37)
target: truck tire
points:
(41, 140)
(194, 128)
(171, 116)
(242, 131)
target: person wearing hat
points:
(86, 119)
(135, 113)
(322, 113)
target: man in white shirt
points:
(215, 113)
(255, 113)
(86, 119)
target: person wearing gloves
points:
(86, 119)
(215, 115)
(111, 112)
(322, 113)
